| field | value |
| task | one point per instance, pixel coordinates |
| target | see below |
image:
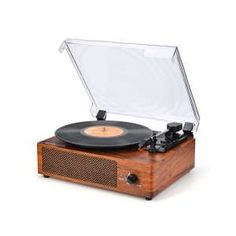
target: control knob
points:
(132, 179)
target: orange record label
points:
(104, 131)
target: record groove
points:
(103, 134)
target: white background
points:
(40, 91)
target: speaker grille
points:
(84, 167)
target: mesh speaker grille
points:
(84, 167)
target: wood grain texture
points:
(155, 171)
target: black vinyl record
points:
(103, 134)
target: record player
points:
(136, 80)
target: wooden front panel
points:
(103, 171)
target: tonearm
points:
(162, 142)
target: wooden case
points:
(110, 169)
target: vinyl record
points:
(103, 134)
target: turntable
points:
(136, 80)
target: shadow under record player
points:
(146, 81)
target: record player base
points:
(132, 171)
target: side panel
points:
(178, 162)
(39, 152)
